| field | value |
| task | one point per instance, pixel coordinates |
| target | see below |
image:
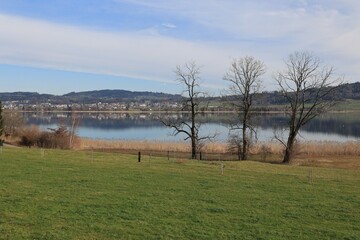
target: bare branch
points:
(245, 82)
(307, 86)
(189, 76)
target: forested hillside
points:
(346, 91)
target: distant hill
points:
(349, 91)
(346, 91)
(23, 96)
(88, 97)
(116, 95)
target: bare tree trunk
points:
(287, 156)
(193, 130)
(72, 133)
(244, 142)
(193, 148)
(289, 148)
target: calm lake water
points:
(147, 126)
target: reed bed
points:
(305, 148)
(132, 145)
(328, 148)
(307, 153)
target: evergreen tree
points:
(1, 121)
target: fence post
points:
(168, 155)
(42, 152)
(1, 146)
(139, 157)
(200, 156)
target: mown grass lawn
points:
(78, 195)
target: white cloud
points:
(271, 29)
(41, 44)
(328, 28)
(169, 25)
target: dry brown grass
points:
(132, 145)
(329, 154)
(144, 145)
(323, 154)
(327, 148)
(309, 148)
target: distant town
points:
(98, 106)
(122, 100)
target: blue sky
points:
(59, 46)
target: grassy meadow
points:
(92, 195)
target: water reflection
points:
(334, 126)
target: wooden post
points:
(310, 176)
(168, 155)
(200, 156)
(139, 157)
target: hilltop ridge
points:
(108, 99)
(87, 97)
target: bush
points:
(265, 150)
(235, 145)
(29, 136)
(53, 138)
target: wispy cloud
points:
(131, 54)
(328, 27)
(169, 25)
(269, 30)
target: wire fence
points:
(203, 156)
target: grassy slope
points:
(72, 195)
(348, 105)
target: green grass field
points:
(80, 195)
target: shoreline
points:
(351, 147)
(170, 112)
(330, 154)
(311, 154)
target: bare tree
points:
(13, 122)
(244, 77)
(75, 121)
(192, 103)
(307, 87)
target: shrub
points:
(58, 137)
(29, 136)
(235, 145)
(265, 150)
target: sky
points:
(61, 46)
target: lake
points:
(147, 126)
